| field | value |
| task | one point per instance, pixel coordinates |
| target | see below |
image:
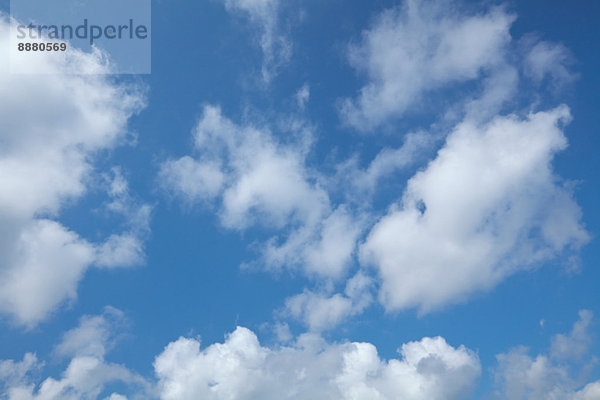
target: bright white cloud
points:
(543, 377)
(275, 46)
(264, 177)
(417, 48)
(52, 126)
(240, 368)
(487, 206)
(87, 374)
(307, 368)
(258, 180)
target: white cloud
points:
(486, 207)
(240, 368)
(94, 336)
(531, 378)
(259, 180)
(321, 311)
(137, 215)
(497, 89)
(42, 269)
(12, 373)
(275, 46)
(87, 374)
(262, 176)
(547, 59)
(574, 345)
(359, 181)
(324, 249)
(192, 180)
(84, 378)
(52, 126)
(308, 368)
(120, 250)
(418, 48)
(521, 376)
(116, 396)
(126, 248)
(591, 391)
(303, 95)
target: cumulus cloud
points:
(321, 311)
(258, 180)
(275, 46)
(308, 367)
(45, 163)
(417, 48)
(87, 374)
(549, 376)
(240, 368)
(487, 206)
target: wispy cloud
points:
(276, 47)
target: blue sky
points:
(308, 200)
